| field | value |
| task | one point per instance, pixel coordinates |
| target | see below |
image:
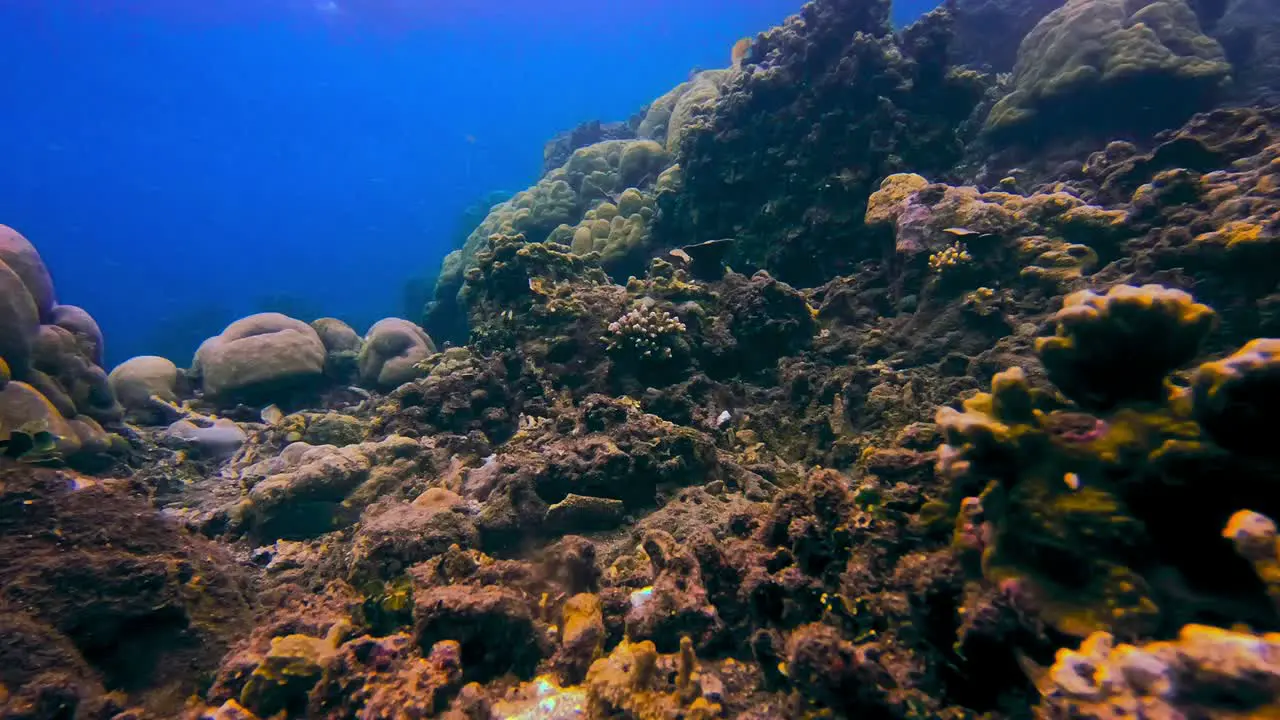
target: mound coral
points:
(594, 177)
(1110, 65)
(55, 351)
(137, 381)
(391, 352)
(260, 357)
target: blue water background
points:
(180, 164)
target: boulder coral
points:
(261, 357)
(1106, 66)
(81, 324)
(20, 256)
(56, 350)
(391, 352)
(138, 381)
(342, 346)
(19, 321)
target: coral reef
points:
(708, 433)
(594, 178)
(822, 109)
(1250, 34)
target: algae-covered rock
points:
(494, 626)
(1099, 66)
(120, 597)
(309, 489)
(392, 538)
(1237, 397)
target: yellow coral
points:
(950, 257)
(1233, 234)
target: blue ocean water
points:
(180, 164)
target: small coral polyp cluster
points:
(647, 332)
(1102, 500)
(950, 257)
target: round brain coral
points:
(1122, 345)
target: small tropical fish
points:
(272, 415)
(739, 52)
(961, 232)
(682, 255)
(1072, 480)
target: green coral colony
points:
(883, 374)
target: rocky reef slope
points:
(814, 391)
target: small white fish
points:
(723, 419)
